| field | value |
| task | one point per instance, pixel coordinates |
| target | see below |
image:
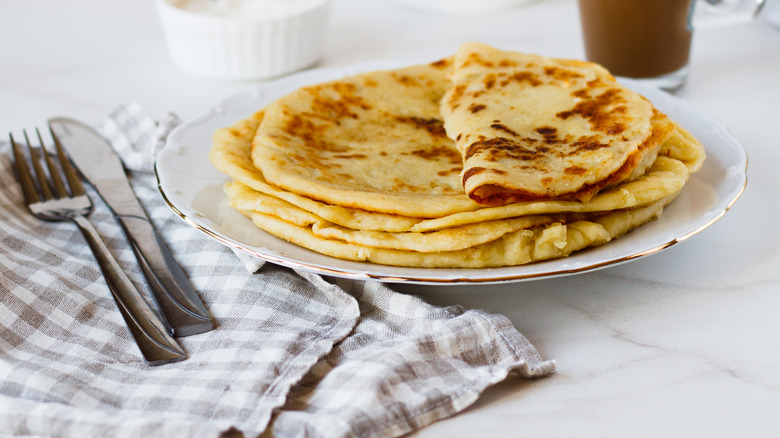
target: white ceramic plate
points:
(193, 188)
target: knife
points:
(103, 169)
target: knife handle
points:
(179, 302)
(149, 331)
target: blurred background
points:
(54, 48)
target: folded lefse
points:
(535, 128)
(362, 168)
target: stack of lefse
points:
(485, 159)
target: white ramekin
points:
(244, 47)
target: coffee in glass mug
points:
(651, 39)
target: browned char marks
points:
(475, 58)
(434, 126)
(457, 93)
(337, 101)
(350, 156)
(310, 133)
(475, 108)
(600, 112)
(493, 148)
(575, 170)
(439, 153)
(549, 135)
(490, 81)
(441, 64)
(504, 128)
(454, 170)
(586, 143)
(471, 172)
(561, 74)
(523, 77)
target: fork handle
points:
(149, 331)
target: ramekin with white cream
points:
(244, 39)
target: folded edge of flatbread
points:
(533, 128)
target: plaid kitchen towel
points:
(293, 353)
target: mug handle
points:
(717, 13)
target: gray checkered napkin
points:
(293, 354)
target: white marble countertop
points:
(682, 343)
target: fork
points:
(49, 199)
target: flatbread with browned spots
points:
(231, 154)
(373, 141)
(535, 128)
(361, 168)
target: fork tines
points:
(43, 191)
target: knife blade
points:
(103, 169)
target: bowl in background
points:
(244, 39)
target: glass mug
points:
(650, 40)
